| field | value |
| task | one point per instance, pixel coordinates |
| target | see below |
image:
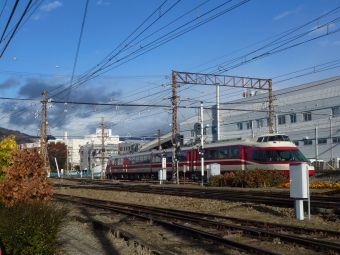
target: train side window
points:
(224, 153)
(115, 162)
(255, 155)
(206, 153)
(146, 159)
(120, 162)
(157, 158)
(212, 153)
(169, 157)
(182, 156)
(233, 152)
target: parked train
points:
(267, 152)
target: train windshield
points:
(278, 155)
(273, 138)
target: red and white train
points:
(266, 152)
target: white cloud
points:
(283, 15)
(51, 6)
(100, 2)
(287, 13)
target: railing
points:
(321, 166)
(75, 174)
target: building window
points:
(307, 142)
(259, 123)
(267, 122)
(296, 143)
(239, 126)
(307, 116)
(293, 118)
(322, 141)
(281, 120)
(336, 140)
(82, 160)
(82, 152)
(336, 111)
(249, 125)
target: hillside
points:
(19, 137)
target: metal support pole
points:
(174, 125)
(202, 146)
(252, 129)
(331, 138)
(276, 124)
(271, 107)
(102, 175)
(67, 161)
(159, 139)
(218, 112)
(316, 143)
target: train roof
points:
(267, 140)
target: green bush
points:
(216, 181)
(31, 227)
(249, 179)
(254, 178)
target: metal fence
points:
(79, 174)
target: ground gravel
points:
(81, 238)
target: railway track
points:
(327, 204)
(251, 236)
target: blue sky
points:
(142, 42)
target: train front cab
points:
(276, 158)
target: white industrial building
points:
(309, 114)
(74, 145)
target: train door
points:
(194, 160)
(125, 164)
(244, 158)
(188, 160)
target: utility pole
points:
(174, 125)
(159, 139)
(43, 137)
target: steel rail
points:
(256, 232)
(329, 203)
(206, 235)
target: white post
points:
(202, 144)
(55, 159)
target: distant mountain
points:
(20, 137)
